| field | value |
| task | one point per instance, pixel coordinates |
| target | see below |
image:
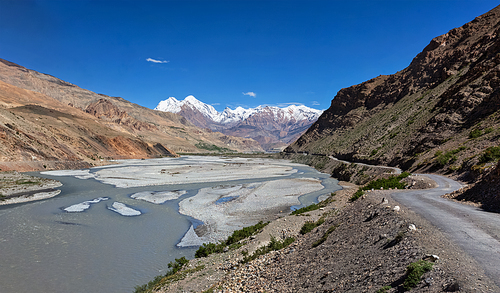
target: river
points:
(45, 248)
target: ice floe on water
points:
(158, 197)
(80, 207)
(123, 209)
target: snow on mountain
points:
(175, 106)
(290, 113)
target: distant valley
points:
(48, 123)
(273, 127)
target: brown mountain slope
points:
(438, 114)
(118, 128)
(33, 136)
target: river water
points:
(44, 248)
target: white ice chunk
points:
(158, 197)
(80, 207)
(123, 209)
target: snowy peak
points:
(229, 116)
(272, 127)
(175, 106)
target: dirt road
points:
(476, 231)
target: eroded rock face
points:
(106, 110)
(451, 87)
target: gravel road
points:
(476, 231)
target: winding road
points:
(476, 231)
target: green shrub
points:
(448, 157)
(208, 248)
(475, 133)
(245, 232)
(391, 182)
(357, 194)
(174, 268)
(309, 226)
(384, 289)
(306, 209)
(325, 236)
(490, 154)
(414, 272)
(273, 245)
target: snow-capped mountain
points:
(272, 127)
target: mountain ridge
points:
(273, 127)
(449, 90)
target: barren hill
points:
(45, 121)
(441, 113)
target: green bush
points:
(273, 245)
(309, 226)
(490, 154)
(174, 268)
(208, 248)
(384, 289)
(391, 182)
(475, 133)
(325, 236)
(245, 232)
(306, 209)
(357, 194)
(448, 157)
(414, 272)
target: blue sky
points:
(225, 53)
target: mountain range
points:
(273, 127)
(46, 122)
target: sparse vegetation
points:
(475, 133)
(325, 236)
(391, 182)
(491, 154)
(208, 248)
(273, 245)
(309, 226)
(448, 157)
(168, 277)
(306, 209)
(384, 289)
(414, 272)
(213, 147)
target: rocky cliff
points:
(441, 113)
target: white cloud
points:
(156, 61)
(251, 94)
(315, 103)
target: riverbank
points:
(16, 187)
(362, 246)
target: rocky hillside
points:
(329, 259)
(48, 123)
(273, 127)
(441, 113)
